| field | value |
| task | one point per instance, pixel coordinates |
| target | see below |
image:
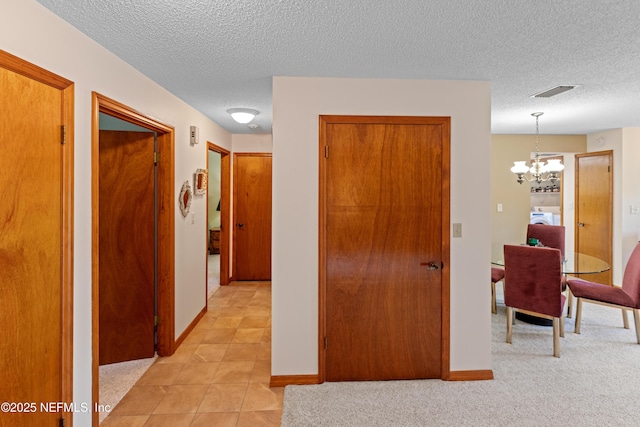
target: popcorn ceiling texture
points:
(222, 54)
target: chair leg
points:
(625, 319)
(562, 326)
(636, 319)
(494, 309)
(556, 337)
(578, 315)
(509, 324)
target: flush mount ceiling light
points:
(242, 115)
(538, 171)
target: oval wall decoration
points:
(185, 198)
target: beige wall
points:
(297, 103)
(252, 143)
(509, 226)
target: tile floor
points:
(220, 374)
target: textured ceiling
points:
(220, 54)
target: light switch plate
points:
(457, 229)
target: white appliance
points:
(549, 215)
(541, 218)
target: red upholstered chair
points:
(497, 274)
(534, 279)
(626, 297)
(551, 236)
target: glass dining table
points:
(574, 264)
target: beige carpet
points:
(117, 379)
(595, 382)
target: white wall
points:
(248, 143)
(297, 103)
(568, 202)
(30, 31)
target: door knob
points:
(581, 224)
(431, 265)
(239, 225)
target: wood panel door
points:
(386, 245)
(126, 247)
(35, 242)
(594, 209)
(252, 216)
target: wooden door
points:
(594, 209)
(126, 325)
(252, 216)
(35, 243)
(386, 183)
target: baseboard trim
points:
(470, 375)
(284, 380)
(189, 328)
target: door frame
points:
(225, 203)
(609, 154)
(67, 89)
(324, 120)
(166, 227)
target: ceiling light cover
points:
(242, 115)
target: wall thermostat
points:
(194, 135)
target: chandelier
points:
(538, 171)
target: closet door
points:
(36, 164)
(386, 204)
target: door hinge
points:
(63, 134)
(326, 151)
(156, 157)
(325, 343)
(61, 422)
(156, 320)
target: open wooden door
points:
(252, 216)
(384, 227)
(594, 209)
(36, 243)
(126, 246)
(223, 206)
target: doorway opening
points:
(162, 238)
(218, 204)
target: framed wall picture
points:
(200, 181)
